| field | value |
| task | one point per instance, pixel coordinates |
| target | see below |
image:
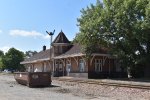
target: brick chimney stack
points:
(44, 48)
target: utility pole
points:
(50, 50)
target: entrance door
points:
(68, 68)
(81, 66)
(45, 67)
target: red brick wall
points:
(105, 66)
(74, 66)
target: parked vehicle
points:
(9, 70)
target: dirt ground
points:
(11, 90)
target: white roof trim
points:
(97, 54)
(64, 56)
(34, 61)
(81, 54)
(63, 44)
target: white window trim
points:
(99, 64)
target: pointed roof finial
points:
(61, 38)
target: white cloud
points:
(5, 48)
(46, 36)
(24, 33)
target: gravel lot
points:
(10, 90)
(99, 92)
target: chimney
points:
(44, 48)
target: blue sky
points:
(23, 22)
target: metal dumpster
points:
(33, 79)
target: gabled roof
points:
(61, 38)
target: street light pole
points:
(51, 37)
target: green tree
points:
(12, 59)
(1, 64)
(123, 26)
(30, 53)
(1, 55)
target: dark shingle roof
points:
(38, 56)
(75, 50)
(61, 38)
(45, 55)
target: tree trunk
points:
(129, 72)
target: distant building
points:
(67, 59)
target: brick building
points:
(67, 59)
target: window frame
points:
(98, 65)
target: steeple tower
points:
(61, 44)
